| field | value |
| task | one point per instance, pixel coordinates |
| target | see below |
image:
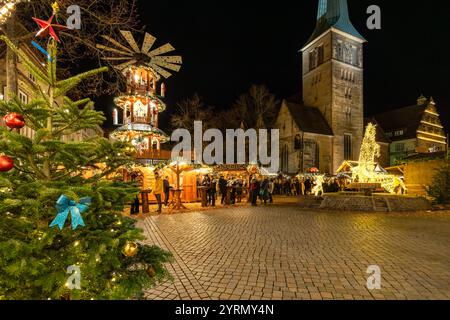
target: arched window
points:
(317, 156)
(285, 159)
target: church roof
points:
(308, 119)
(407, 119)
(333, 14)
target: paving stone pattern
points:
(275, 253)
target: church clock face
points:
(140, 110)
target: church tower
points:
(333, 78)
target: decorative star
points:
(48, 28)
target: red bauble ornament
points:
(14, 121)
(6, 164)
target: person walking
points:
(254, 191)
(271, 190)
(158, 190)
(223, 189)
(213, 191)
(166, 186)
(264, 190)
(239, 190)
(135, 206)
(308, 186)
(207, 185)
(302, 187)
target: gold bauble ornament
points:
(151, 272)
(130, 249)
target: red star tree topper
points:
(48, 28)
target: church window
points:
(348, 93)
(317, 156)
(338, 51)
(312, 60)
(285, 159)
(347, 147)
(354, 56)
(347, 53)
(316, 57)
(348, 115)
(320, 55)
(298, 143)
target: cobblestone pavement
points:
(284, 253)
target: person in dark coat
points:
(223, 189)
(254, 189)
(135, 206)
(166, 186)
(207, 185)
(213, 191)
(308, 186)
(264, 190)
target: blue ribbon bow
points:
(65, 205)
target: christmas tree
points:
(53, 218)
(440, 187)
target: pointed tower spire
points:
(322, 9)
(334, 14)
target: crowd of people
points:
(217, 186)
(232, 190)
(263, 188)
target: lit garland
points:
(124, 101)
(7, 9)
(133, 131)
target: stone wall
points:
(375, 203)
(419, 175)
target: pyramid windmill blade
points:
(116, 58)
(169, 59)
(161, 50)
(102, 47)
(160, 70)
(170, 66)
(129, 37)
(149, 41)
(122, 66)
(117, 44)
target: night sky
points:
(229, 45)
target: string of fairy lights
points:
(7, 8)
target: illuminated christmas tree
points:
(53, 219)
(370, 152)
